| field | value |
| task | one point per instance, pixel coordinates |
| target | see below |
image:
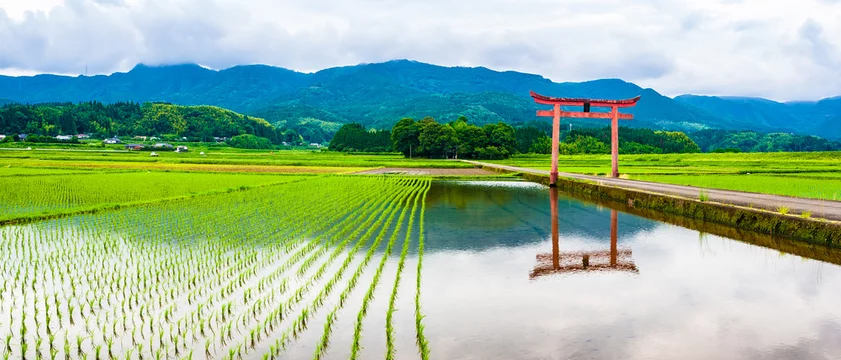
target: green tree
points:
(542, 145)
(436, 140)
(405, 136)
(526, 137)
(248, 141)
(501, 135)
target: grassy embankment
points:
(810, 175)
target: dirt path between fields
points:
(431, 171)
(825, 209)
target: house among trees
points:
(162, 146)
(113, 140)
(141, 138)
(82, 136)
(181, 148)
(315, 145)
(134, 147)
(2, 137)
(22, 137)
(64, 137)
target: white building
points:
(64, 137)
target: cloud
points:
(748, 47)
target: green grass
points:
(810, 175)
(776, 163)
(827, 189)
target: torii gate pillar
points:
(557, 113)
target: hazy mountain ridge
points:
(816, 118)
(380, 94)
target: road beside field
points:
(825, 209)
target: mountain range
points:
(377, 95)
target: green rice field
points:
(232, 275)
(56, 194)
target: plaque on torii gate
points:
(557, 113)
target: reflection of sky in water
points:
(695, 297)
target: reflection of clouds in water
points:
(479, 215)
(729, 300)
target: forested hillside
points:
(751, 141)
(377, 95)
(128, 118)
(819, 118)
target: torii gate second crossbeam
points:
(557, 113)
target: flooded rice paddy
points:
(494, 289)
(475, 270)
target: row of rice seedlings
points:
(253, 331)
(369, 295)
(165, 313)
(228, 307)
(300, 324)
(389, 324)
(297, 255)
(423, 345)
(321, 348)
(228, 318)
(257, 333)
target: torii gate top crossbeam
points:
(548, 100)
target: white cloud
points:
(749, 47)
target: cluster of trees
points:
(631, 141)
(751, 141)
(354, 137)
(248, 141)
(459, 138)
(197, 123)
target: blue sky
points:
(778, 49)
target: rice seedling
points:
(783, 210)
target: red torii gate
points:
(557, 113)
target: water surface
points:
(496, 285)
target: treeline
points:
(354, 137)
(197, 123)
(631, 141)
(461, 139)
(750, 141)
(429, 138)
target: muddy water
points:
(498, 285)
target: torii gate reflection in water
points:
(557, 113)
(571, 262)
